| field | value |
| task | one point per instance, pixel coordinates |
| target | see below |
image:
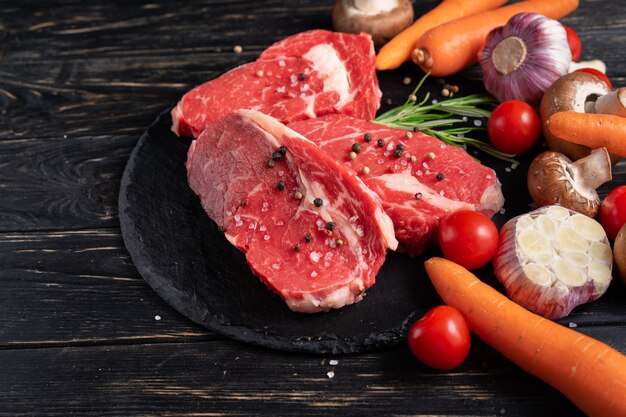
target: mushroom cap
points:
(383, 26)
(551, 182)
(575, 91)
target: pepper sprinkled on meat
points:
(330, 226)
(367, 137)
(318, 202)
(307, 238)
(280, 185)
(380, 143)
(356, 148)
(269, 163)
(440, 176)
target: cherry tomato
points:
(514, 127)
(613, 211)
(574, 43)
(598, 74)
(440, 339)
(468, 238)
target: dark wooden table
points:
(81, 333)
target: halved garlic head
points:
(553, 259)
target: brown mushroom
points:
(554, 179)
(577, 91)
(619, 253)
(383, 19)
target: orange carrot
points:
(398, 50)
(453, 46)
(588, 372)
(592, 130)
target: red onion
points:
(521, 59)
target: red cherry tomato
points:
(598, 74)
(468, 238)
(440, 339)
(574, 43)
(514, 127)
(613, 211)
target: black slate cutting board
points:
(182, 255)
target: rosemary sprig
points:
(438, 119)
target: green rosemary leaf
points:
(438, 119)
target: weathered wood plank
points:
(227, 378)
(110, 69)
(43, 309)
(61, 183)
(80, 287)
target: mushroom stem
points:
(593, 170)
(612, 103)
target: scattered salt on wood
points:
(330, 374)
(333, 362)
(157, 317)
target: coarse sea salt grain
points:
(315, 256)
(263, 228)
(573, 325)
(266, 237)
(330, 374)
(157, 317)
(333, 362)
(354, 218)
(313, 274)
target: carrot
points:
(592, 130)
(453, 46)
(588, 372)
(398, 50)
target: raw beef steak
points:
(310, 228)
(303, 76)
(419, 179)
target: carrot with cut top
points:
(453, 46)
(398, 50)
(592, 130)
(588, 372)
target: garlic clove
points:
(553, 259)
(521, 59)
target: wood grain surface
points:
(81, 333)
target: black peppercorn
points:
(440, 176)
(397, 153)
(318, 202)
(367, 137)
(280, 185)
(330, 226)
(307, 238)
(356, 148)
(380, 143)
